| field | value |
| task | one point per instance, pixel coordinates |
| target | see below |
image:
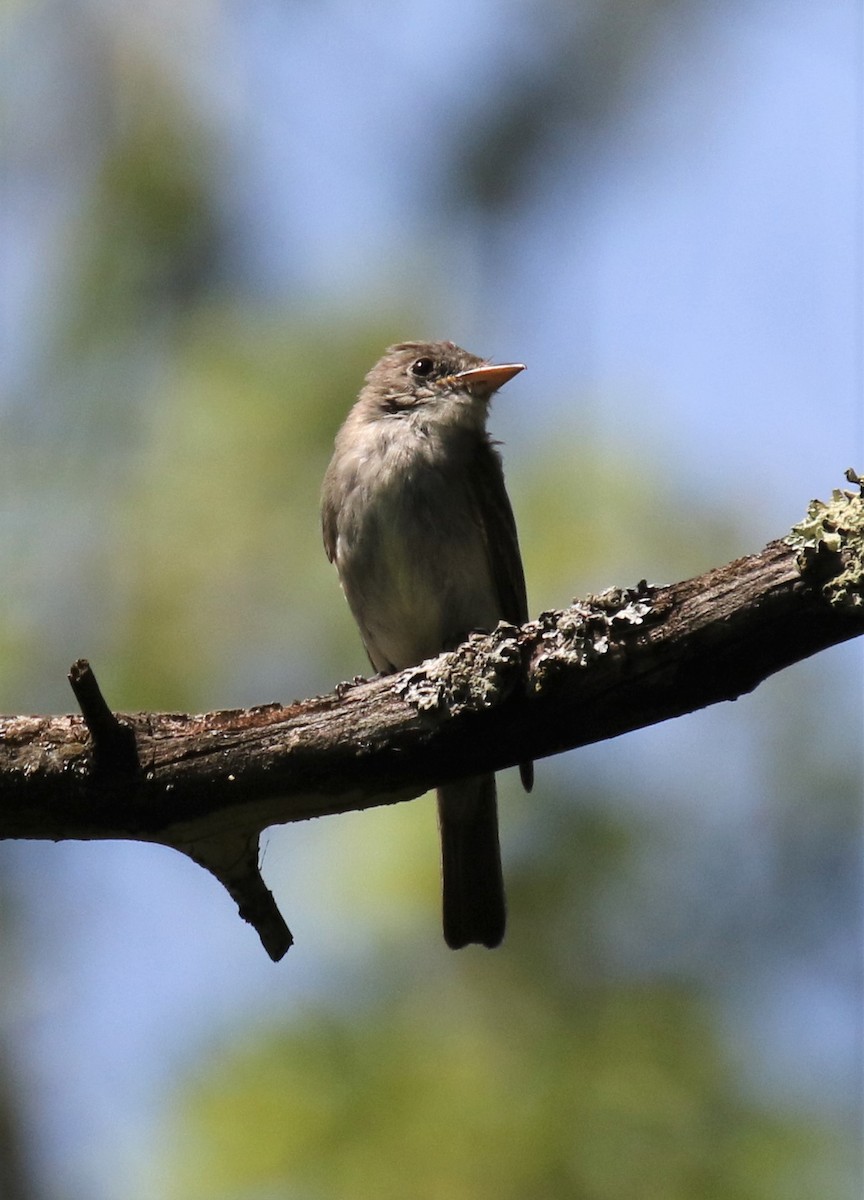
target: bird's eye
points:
(422, 367)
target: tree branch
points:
(208, 784)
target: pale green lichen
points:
(479, 676)
(830, 529)
(586, 630)
(625, 606)
(483, 672)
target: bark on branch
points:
(208, 784)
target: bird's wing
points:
(491, 504)
(329, 516)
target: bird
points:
(416, 518)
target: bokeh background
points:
(213, 217)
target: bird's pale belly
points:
(422, 588)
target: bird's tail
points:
(472, 882)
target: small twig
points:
(232, 859)
(113, 740)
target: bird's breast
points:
(411, 551)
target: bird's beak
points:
(488, 377)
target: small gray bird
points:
(417, 520)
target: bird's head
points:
(435, 382)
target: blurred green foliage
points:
(536, 1071)
(599, 1093)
